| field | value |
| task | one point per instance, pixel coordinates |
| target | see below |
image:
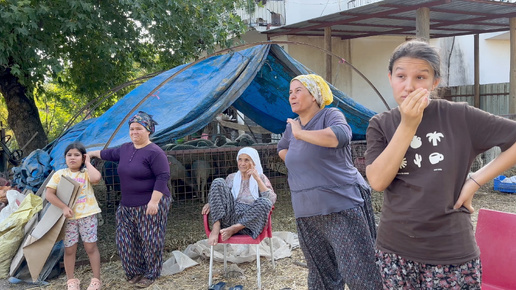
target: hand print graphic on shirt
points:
(434, 137)
(416, 142)
(418, 160)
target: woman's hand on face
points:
(206, 209)
(413, 106)
(295, 125)
(152, 208)
(252, 172)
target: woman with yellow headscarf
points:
(331, 199)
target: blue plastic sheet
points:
(33, 170)
(255, 81)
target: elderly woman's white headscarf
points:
(253, 185)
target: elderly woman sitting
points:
(241, 202)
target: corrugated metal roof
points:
(398, 17)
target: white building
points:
(368, 42)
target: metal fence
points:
(358, 3)
(494, 98)
(193, 170)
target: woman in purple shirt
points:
(335, 226)
(142, 214)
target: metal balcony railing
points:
(358, 3)
(270, 14)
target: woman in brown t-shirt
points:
(419, 154)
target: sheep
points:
(202, 170)
(177, 172)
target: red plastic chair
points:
(246, 240)
(496, 238)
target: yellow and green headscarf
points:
(318, 87)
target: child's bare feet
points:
(230, 231)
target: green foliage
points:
(3, 125)
(56, 107)
(3, 113)
(90, 46)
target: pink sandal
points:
(95, 284)
(73, 284)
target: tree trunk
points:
(23, 116)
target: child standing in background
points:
(82, 218)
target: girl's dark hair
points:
(420, 50)
(78, 146)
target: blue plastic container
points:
(504, 186)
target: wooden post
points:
(477, 71)
(423, 23)
(512, 75)
(327, 46)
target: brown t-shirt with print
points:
(418, 221)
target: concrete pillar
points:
(423, 23)
(477, 71)
(327, 46)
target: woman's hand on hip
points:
(152, 208)
(467, 193)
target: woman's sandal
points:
(219, 286)
(144, 283)
(73, 284)
(95, 284)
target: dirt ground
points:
(185, 227)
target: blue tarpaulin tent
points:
(255, 81)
